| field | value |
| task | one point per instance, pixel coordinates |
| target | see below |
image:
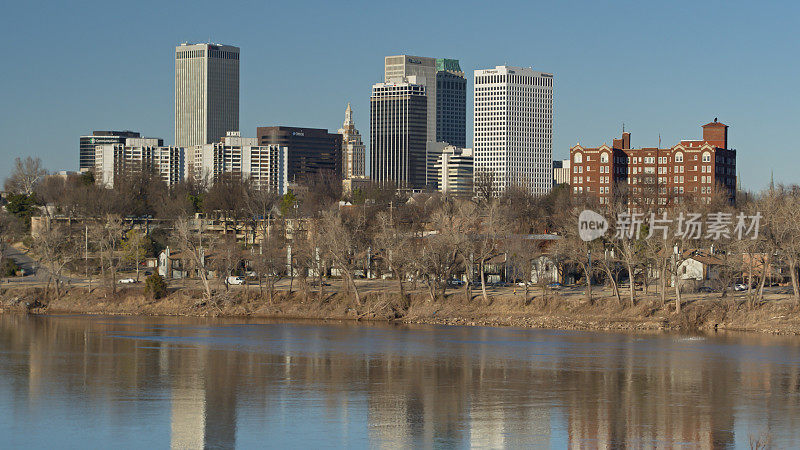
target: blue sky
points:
(659, 67)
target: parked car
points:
(126, 281)
(235, 280)
(705, 289)
(455, 282)
(555, 285)
(739, 287)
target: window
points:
(678, 157)
(604, 158)
(706, 157)
(578, 158)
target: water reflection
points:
(72, 381)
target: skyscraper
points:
(445, 88)
(514, 128)
(206, 93)
(451, 103)
(398, 68)
(353, 150)
(398, 134)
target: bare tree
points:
(135, 248)
(194, 246)
(342, 242)
(26, 173)
(54, 249)
(393, 244)
(108, 235)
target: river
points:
(126, 382)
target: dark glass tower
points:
(451, 103)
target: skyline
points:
(304, 72)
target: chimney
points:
(716, 133)
(626, 140)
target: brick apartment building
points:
(657, 177)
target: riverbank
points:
(558, 310)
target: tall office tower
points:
(309, 150)
(88, 144)
(398, 69)
(206, 93)
(265, 167)
(135, 155)
(514, 129)
(451, 103)
(354, 156)
(398, 134)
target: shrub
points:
(10, 268)
(155, 286)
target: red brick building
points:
(657, 176)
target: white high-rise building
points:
(264, 166)
(206, 93)
(354, 157)
(514, 129)
(455, 171)
(138, 154)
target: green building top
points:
(450, 65)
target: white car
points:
(235, 280)
(739, 287)
(126, 281)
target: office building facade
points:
(309, 150)
(451, 103)
(401, 68)
(354, 156)
(89, 143)
(206, 93)
(398, 134)
(264, 167)
(514, 128)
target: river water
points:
(120, 382)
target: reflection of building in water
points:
(188, 417)
(677, 399)
(204, 399)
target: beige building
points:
(206, 93)
(354, 153)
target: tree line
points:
(425, 239)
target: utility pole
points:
(86, 254)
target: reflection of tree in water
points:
(454, 386)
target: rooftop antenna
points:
(659, 140)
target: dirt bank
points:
(557, 311)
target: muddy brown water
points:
(126, 382)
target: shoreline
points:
(703, 314)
